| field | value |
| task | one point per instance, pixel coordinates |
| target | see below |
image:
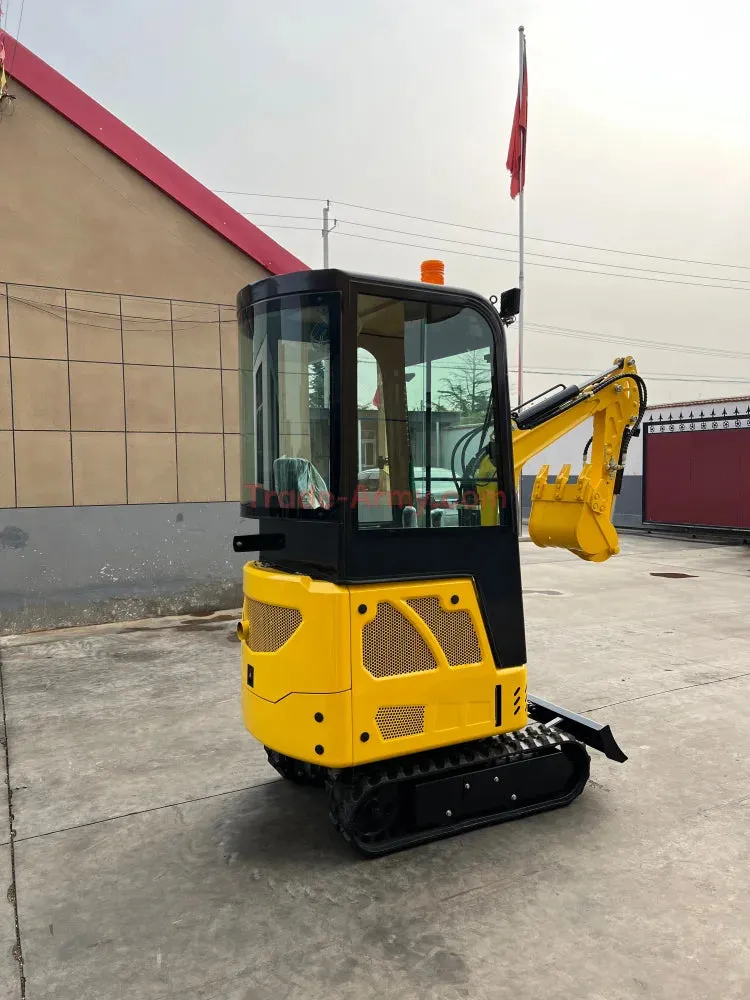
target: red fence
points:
(697, 477)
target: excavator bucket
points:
(577, 515)
(574, 516)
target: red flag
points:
(376, 399)
(516, 161)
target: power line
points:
(449, 365)
(591, 335)
(279, 215)
(72, 312)
(573, 260)
(543, 328)
(577, 372)
(658, 376)
(284, 197)
(533, 263)
(485, 246)
(659, 345)
(495, 232)
(18, 35)
(542, 239)
(54, 310)
(300, 229)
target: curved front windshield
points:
(285, 405)
(426, 417)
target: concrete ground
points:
(156, 854)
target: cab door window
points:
(425, 396)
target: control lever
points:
(409, 517)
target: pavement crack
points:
(150, 809)
(657, 694)
(488, 885)
(12, 888)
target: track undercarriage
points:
(393, 804)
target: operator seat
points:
(298, 478)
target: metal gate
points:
(696, 470)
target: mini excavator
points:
(382, 631)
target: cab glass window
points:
(285, 395)
(426, 420)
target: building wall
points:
(65, 566)
(119, 425)
(119, 422)
(74, 216)
(115, 399)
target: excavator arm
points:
(574, 515)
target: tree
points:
(316, 374)
(467, 385)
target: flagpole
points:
(521, 53)
(521, 60)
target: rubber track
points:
(349, 788)
(298, 771)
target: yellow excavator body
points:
(358, 703)
(382, 630)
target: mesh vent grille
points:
(395, 721)
(454, 630)
(271, 625)
(392, 646)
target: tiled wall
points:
(109, 399)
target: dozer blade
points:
(593, 734)
(391, 805)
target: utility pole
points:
(326, 230)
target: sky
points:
(638, 140)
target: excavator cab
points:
(359, 397)
(383, 646)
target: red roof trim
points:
(80, 109)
